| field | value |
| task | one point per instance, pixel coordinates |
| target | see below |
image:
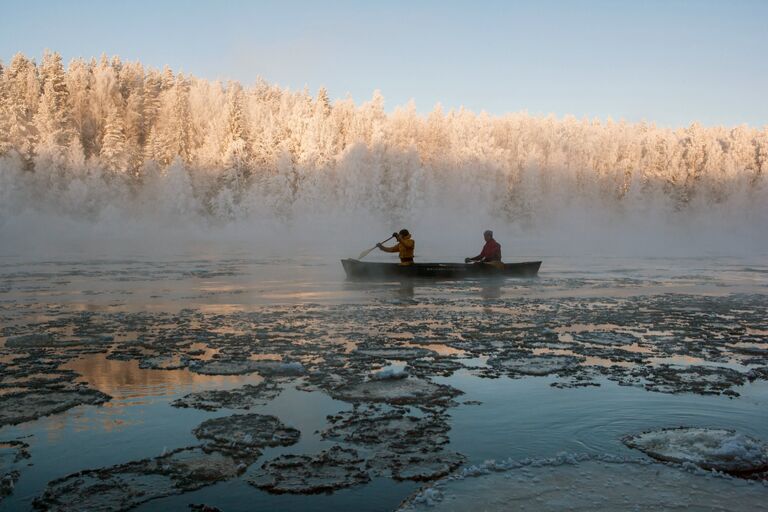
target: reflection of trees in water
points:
(125, 379)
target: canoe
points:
(356, 269)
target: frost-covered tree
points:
(104, 98)
(236, 156)
(114, 153)
(237, 124)
(84, 121)
(20, 104)
(5, 118)
(179, 126)
(131, 79)
(53, 120)
(151, 105)
(240, 152)
(323, 102)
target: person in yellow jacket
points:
(405, 246)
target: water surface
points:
(307, 300)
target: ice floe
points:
(535, 365)
(390, 373)
(128, 485)
(241, 367)
(397, 391)
(705, 380)
(12, 453)
(718, 449)
(406, 447)
(242, 433)
(231, 444)
(394, 353)
(570, 482)
(245, 397)
(605, 337)
(415, 465)
(29, 405)
(327, 471)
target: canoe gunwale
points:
(358, 270)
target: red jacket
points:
(491, 251)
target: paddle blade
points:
(365, 253)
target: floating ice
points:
(127, 485)
(718, 449)
(536, 365)
(596, 484)
(239, 434)
(378, 424)
(416, 465)
(389, 373)
(396, 353)
(605, 337)
(407, 447)
(397, 391)
(329, 470)
(45, 340)
(35, 340)
(202, 507)
(434, 366)
(7, 482)
(11, 454)
(292, 368)
(216, 367)
(244, 397)
(705, 380)
(758, 373)
(232, 443)
(25, 406)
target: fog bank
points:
(109, 154)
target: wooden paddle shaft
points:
(367, 252)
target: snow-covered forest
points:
(106, 137)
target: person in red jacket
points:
(491, 253)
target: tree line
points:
(100, 132)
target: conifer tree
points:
(22, 93)
(114, 154)
(323, 102)
(5, 122)
(181, 125)
(79, 82)
(53, 119)
(131, 80)
(152, 104)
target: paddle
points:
(366, 253)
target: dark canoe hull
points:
(363, 270)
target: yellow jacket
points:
(405, 247)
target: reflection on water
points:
(125, 380)
(242, 284)
(439, 348)
(490, 291)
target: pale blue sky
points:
(669, 61)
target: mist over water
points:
(107, 151)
